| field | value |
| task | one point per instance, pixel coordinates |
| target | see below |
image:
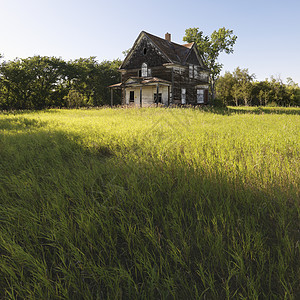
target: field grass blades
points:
(150, 204)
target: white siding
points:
(147, 95)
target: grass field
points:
(150, 204)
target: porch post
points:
(172, 87)
(141, 99)
(157, 91)
(111, 97)
(168, 95)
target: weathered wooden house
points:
(156, 70)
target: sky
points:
(268, 31)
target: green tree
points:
(108, 74)
(224, 88)
(125, 52)
(293, 91)
(261, 93)
(210, 47)
(30, 83)
(74, 99)
(91, 79)
(243, 84)
(41, 82)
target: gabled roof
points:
(174, 53)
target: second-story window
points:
(144, 70)
(183, 96)
(196, 72)
(191, 71)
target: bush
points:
(271, 104)
(74, 99)
(218, 103)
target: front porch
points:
(144, 92)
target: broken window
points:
(144, 70)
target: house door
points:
(131, 96)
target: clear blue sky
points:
(268, 31)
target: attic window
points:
(145, 51)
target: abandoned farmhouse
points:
(156, 70)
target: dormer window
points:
(144, 70)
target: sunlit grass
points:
(150, 203)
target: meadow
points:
(150, 203)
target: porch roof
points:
(141, 81)
(117, 85)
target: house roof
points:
(175, 53)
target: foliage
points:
(135, 204)
(74, 99)
(126, 52)
(239, 88)
(221, 40)
(42, 82)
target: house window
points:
(204, 76)
(200, 96)
(196, 72)
(149, 73)
(131, 96)
(191, 71)
(145, 51)
(159, 98)
(144, 70)
(183, 96)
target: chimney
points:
(168, 37)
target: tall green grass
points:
(150, 204)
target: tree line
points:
(240, 88)
(42, 82)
